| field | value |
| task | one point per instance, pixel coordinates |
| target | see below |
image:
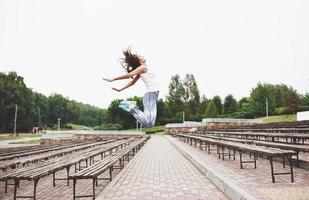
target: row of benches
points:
(56, 164)
(294, 147)
(24, 149)
(52, 153)
(270, 130)
(233, 147)
(36, 172)
(292, 138)
(25, 153)
(280, 125)
(108, 163)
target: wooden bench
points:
(293, 138)
(40, 150)
(294, 147)
(228, 139)
(36, 172)
(49, 155)
(270, 153)
(93, 172)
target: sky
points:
(67, 46)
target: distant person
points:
(136, 68)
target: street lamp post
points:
(59, 124)
(266, 107)
(15, 119)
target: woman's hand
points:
(118, 90)
(108, 79)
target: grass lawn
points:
(279, 118)
(8, 136)
(27, 142)
(78, 127)
(156, 129)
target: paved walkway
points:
(159, 171)
(7, 143)
(257, 183)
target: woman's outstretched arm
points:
(129, 84)
(141, 69)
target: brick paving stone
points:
(159, 171)
(256, 182)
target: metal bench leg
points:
(234, 152)
(74, 186)
(297, 159)
(110, 173)
(240, 159)
(36, 181)
(6, 186)
(208, 148)
(291, 168)
(93, 188)
(222, 153)
(15, 188)
(120, 163)
(254, 157)
(54, 177)
(68, 174)
(283, 161)
(272, 169)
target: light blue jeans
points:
(148, 117)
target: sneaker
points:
(127, 105)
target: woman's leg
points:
(148, 117)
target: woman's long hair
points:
(130, 61)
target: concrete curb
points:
(228, 188)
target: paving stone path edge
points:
(115, 180)
(228, 188)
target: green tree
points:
(211, 110)
(258, 97)
(244, 105)
(191, 97)
(305, 99)
(292, 100)
(41, 109)
(13, 91)
(175, 98)
(116, 115)
(35, 109)
(203, 104)
(230, 104)
(72, 113)
(57, 109)
(218, 103)
(162, 117)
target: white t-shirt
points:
(150, 81)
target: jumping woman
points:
(136, 68)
